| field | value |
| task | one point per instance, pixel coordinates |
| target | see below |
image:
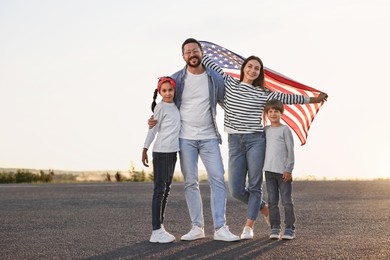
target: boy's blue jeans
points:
(275, 186)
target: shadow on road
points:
(200, 249)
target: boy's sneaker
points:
(275, 233)
(223, 234)
(247, 233)
(195, 233)
(289, 234)
(161, 236)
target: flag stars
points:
(223, 57)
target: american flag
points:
(298, 117)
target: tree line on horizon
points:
(28, 176)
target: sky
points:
(77, 77)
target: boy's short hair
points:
(274, 104)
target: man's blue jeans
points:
(246, 159)
(210, 153)
(276, 185)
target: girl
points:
(164, 154)
(244, 105)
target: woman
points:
(244, 105)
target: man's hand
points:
(152, 122)
(145, 159)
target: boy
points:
(278, 166)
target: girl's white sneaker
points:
(161, 236)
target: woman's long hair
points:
(259, 81)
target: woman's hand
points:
(322, 97)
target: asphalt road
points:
(335, 220)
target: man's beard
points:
(194, 65)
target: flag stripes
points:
(297, 117)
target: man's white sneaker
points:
(195, 233)
(161, 236)
(223, 234)
(247, 233)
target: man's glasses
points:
(195, 51)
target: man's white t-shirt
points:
(196, 119)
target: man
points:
(198, 90)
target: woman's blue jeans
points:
(246, 159)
